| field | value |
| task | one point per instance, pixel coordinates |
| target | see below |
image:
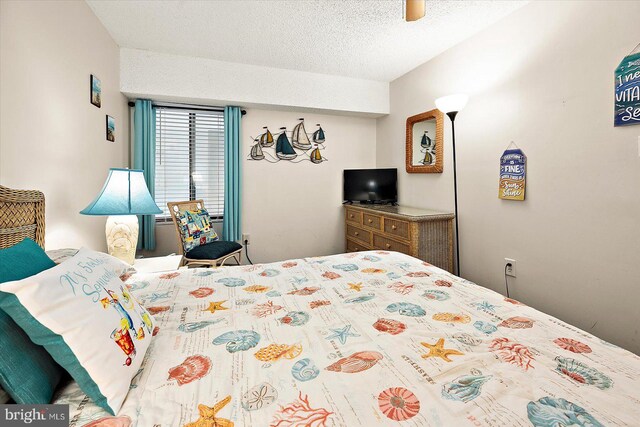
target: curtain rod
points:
(186, 107)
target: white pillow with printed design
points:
(84, 316)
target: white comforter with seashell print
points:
(360, 339)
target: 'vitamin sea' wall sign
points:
(627, 104)
(513, 172)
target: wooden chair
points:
(212, 254)
(21, 215)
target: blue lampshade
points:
(124, 193)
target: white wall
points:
(51, 137)
(542, 77)
(161, 76)
(294, 210)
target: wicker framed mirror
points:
(424, 140)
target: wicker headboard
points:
(21, 215)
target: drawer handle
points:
(388, 246)
(369, 220)
(356, 233)
(393, 227)
(351, 216)
(356, 249)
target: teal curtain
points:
(231, 224)
(144, 157)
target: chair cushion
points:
(213, 250)
(27, 372)
(196, 228)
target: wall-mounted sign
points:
(513, 172)
(627, 103)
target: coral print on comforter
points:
(373, 338)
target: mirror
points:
(424, 142)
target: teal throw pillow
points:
(27, 372)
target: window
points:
(189, 158)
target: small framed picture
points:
(111, 129)
(96, 91)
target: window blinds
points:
(189, 158)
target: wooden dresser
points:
(424, 234)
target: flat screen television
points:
(370, 185)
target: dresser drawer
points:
(380, 242)
(355, 246)
(359, 234)
(373, 221)
(396, 228)
(354, 216)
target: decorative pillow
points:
(27, 372)
(85, 317)
(196, 228)
(23, 260)
(120, 267)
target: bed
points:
(360, 339)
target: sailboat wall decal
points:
(266, 139)
(256, 152)
(318, 136)
(295, 146)
(316, 156)
(284, 150)
(299, 137)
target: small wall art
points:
(295, 146)
(513, 173)
(627, 103)
(96, 91)
(111, 129)
(424, 147)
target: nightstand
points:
(159, 264)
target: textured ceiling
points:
(363, 39)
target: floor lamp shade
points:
(451, 103)
(123, 196)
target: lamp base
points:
(122, 237)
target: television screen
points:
(370, 185)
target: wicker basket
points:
(21, 216)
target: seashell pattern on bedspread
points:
(360, 339)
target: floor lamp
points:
(451, 105)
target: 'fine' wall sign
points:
(513, 173)
(627, 103)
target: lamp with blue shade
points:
(123, 196)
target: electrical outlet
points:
(510, 267)
(245, 239)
